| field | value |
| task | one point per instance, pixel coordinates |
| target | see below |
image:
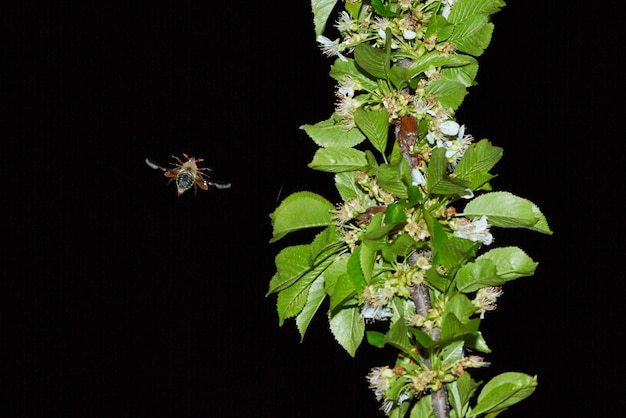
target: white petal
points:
(324, 40)
(417, 178)
(468, 194)
(449, 127)
(408, 34)
(430, 137)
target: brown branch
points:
(406, 134)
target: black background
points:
(123, 299)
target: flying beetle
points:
(187, 174)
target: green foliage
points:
(494, 268)
(321, 12)
(503, 391)
(509, 211)
(405, 245)
(301, 210)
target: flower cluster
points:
(406, 32)
(409, 380)
(377, 297)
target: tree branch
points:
(419, 293)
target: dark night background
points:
(123, 300)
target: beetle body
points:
(187, 174)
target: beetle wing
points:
(219, 184)
(154, 165)
(202, 183)
(171, 172)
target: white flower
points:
(345, 107)
(422, 259)
(347, 87)
(430, 137)
(486, 299)
(379, 379)
(476, 230)
(408, 34)
(417, 177)
(376, 313)
(468, 194)
(455, 147)
(404, 396)
(422, 107)
(386, 407)
(330, 48)
(449, 128)
(344, 23)
(380, 24)
(447, 7)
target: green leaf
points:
(439, 26)
(375, 338)
(451, 327)
(398, 336)
(438, 182)
(375, 125)
(292, 300)
(402, 245)
(423, 408)
(422, 338)
(460, 391)
(494, 268)
(473, 35)
(343, 294)
(348, 328)
(436, 280)
(504, 209)
(465, 74)
(511, 262)
(472, 30)
(342, 70)
(372, 60)
(435, 60)
(455, 252)
(353, 8)
(321, 12)
(338, 283)
(475, 164)
(367, 259)
(395, 213)
(399, 76)
(383, 10)
(477, 343)
(503, 391)
(449, 93)
(355, 270)
(391, 177)
(301, 210)
(291, 264)
(452, 352)
(438, 236)
(330, 133)
(377, 234)
(461, 307)
(338, 159)
(314, 301)
(348, 188)
(325, 244)
(464, 9)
